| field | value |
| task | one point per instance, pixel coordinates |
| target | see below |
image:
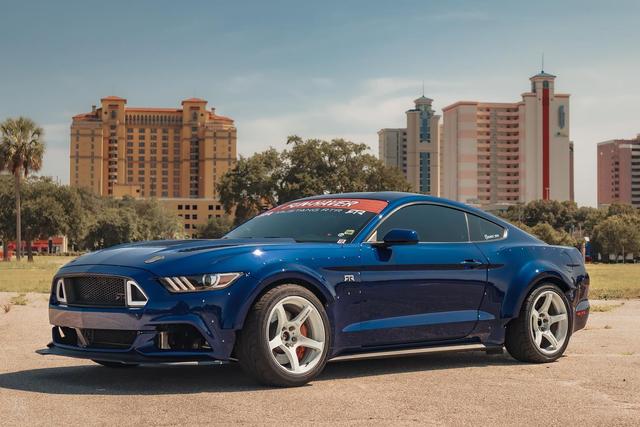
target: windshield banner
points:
(361, 205)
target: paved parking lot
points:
(596, 383)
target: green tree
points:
(111, 227)
(21, 152)
(552, 236)
(304, 168)
(621, 209)
(215, 228)
(618, 235)
(560, 215)
(43, 212)
(154, 222)
(315, 166)
(7, 214)
(251, 185)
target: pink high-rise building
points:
(619, 172)
(496, 153)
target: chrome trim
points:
(130, 302)
(127, 288)
(60, 287)
(397, 208)
(409, 352)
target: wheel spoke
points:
(538, 337)
(547, 303)
(275, 343)
(292, 357)
(534, 315)
(552, 339)
(302, 316)
(281, 315)
(557, 318)
(309, 343)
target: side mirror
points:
(399, 236)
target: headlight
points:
(204, 282)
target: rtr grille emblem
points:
(154, 259)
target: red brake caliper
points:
(301, 350)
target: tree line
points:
(612, 230)
(40, 208)
(89, 221)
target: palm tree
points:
(21, 151)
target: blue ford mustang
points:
(330, 277)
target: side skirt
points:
(417, 351)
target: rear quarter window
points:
(481, 230)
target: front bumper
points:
(201, 312)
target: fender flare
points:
(295, 273)
(529, 276)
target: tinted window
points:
(321, 220)
(433, 223)
(482, 230)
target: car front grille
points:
(109, 338)
(112, 339)
(95, 291)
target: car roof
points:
(398, 197)
(387, 196)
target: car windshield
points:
(315, 220)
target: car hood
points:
(150, 254)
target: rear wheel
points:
(541, 332)
(285, 338)
(115, 364)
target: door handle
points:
(471, 263)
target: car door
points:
(429, 291)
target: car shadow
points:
(186, 379)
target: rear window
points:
(481, 230)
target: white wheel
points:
(295, 333)
(549, 323)
(286, 337)
(541, 332)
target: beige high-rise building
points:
(415, 149)
(504, 153)
(173, 154)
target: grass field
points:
(608, 281)
(26, 276)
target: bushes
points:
(89, 221)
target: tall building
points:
(619, 172)
(173, 154)
(504, 153)
(415, 149)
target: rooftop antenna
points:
(542, 68)
(422, 87)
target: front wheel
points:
(541, 332)
(286, 337)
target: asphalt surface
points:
(597, 382)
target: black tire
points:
(519, 340)
(253, 349)
(117, 365)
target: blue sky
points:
(319, 69)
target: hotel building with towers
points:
(495, 154)
(173, 154)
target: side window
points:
(432, 222)
(482, 230)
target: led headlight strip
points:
(205, 282)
